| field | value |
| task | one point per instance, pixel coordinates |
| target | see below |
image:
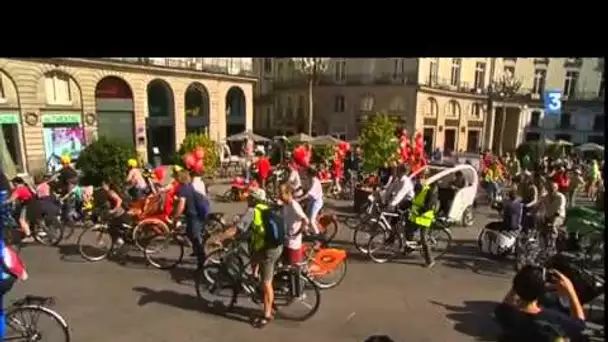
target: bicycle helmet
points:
(132, 162)
(258, 195)
(65, 159)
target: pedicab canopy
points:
(584, 220)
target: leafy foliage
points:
(378, 141)
(194, 140)
(105, 159)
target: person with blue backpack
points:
(195, 208)
(266, 245)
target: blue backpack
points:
(274, 228)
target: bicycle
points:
(22, 318)
(290, 285)
(161, 241)
(395, 241)
(376, 220)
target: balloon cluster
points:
(404, 147)
(343, 148)
(194, 161)
(301, 156)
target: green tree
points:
(378, 141)
(194, 140)
(105, 159)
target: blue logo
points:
(553, 102)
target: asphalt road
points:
(108, 301)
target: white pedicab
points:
(456, 205)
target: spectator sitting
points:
(523, 319)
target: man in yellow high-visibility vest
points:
(424, 207)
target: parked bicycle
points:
(24, 321)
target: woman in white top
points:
(295, 220)
(294, 180)
(315, 196)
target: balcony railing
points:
(234, 68)
(300, 80)
(586, 96)
(573, 63)
(446, 84)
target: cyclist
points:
(263, 167)
(195, 208)
(556, 213)
(135, 180)
(422, 215)
(263, 256)
(295, 221)
(68, 177)
(108, 202)
(315, 197)
(400, 192)
(294, 180)
(21, 196)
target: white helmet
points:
(258, 195)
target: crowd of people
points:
(546, 187)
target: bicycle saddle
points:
(34, 300)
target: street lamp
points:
(505, 88)
(311, 67)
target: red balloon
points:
(198, 167)
(199, 153)
(189, 160)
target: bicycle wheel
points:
(35, 323)
(364, 233)
(232, 261)
(328, 226)
(146, 230)
(328, 280)
(440, 241)
(164, 251)
(95, 242)
(384, 246)
(49, 232)
(219, 295)
(285, 301)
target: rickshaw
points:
(455, 205)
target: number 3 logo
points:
(555, 101)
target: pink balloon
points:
(189, 160)
(198, 167)
(199, 153)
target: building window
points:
(340, 71)
(339, 104)
(397, 104)
(268, 117)
(279, 70)
(598, 139)
(398, 68)
(540, 75)
(432, 107)
(600, 93)
(453, 109)
(598, 123)
(289, 108)
(455, 76)
(535, 119)
(564, 121)
(279, 109)
(367, 103)
(267, 65)
(480, 75)
(532, 136)
(476, 110)
(57, 88)
(301, 106)
(509, 71)
(570, 83)
(433, 71)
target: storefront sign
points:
(10, 118)
(59, 118)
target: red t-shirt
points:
(562, 180)
(263, 167)
(170, 199)
(23, 193)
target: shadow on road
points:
(465, 255)
(474, 319)
(127, 256)
(192, 303)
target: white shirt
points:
(316, 190)
(199, 185)
(292, 217)
(404, 189)
(295, 182)
(557, 205)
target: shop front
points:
(10, 142)
(63, 134)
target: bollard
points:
(3, 213)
